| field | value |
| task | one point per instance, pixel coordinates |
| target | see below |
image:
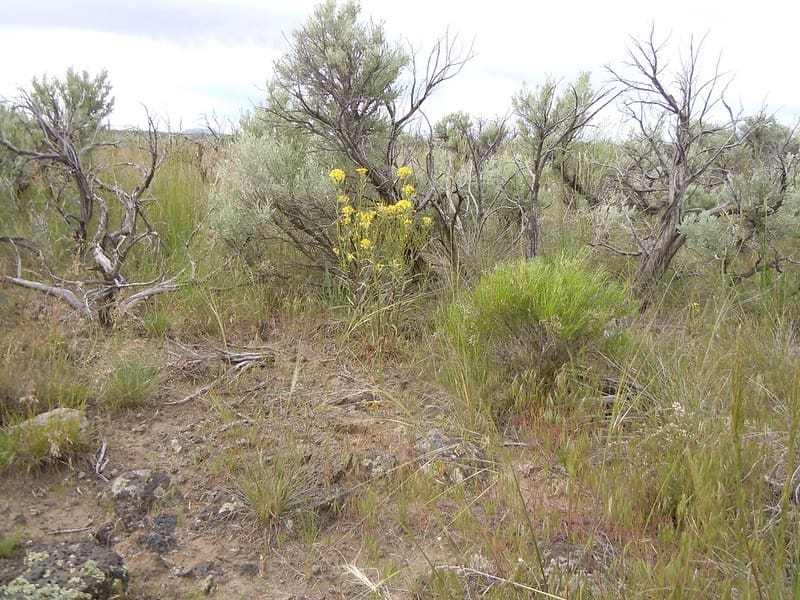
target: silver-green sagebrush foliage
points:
(343, 97)
(279, 188)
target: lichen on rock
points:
(78, 570)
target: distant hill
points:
(197, 131)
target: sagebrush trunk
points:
(657, 259)
(531, 224)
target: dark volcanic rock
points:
(134, 493)
(161, 535)
(81, 570)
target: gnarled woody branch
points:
(67, 122)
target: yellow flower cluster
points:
(399, 208)
(337, 175)
(364, 218)
(347, 214)
(378, 236)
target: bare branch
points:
(58, 292)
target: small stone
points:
(179, 572)
(316, 570)
(229, 509)
(250, 569)
(208, 585)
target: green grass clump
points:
(11, 543)
(157, 323)
(524, 323)
(131, 384)
(273, 489)
(34, 444)
(62, 392)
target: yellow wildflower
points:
(347, 210)
(407, 222)
(336, 250)
(426, 221)
(365, 244)
(404, 172)
(342, 199)
(408, 190)
(403, 205)
(396, 263)
(350, 257)
(336, 175)
(365, 218)
(361, 171)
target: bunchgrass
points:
(131, 384)
(157, 323)
(273, 488)
(683, 478)
(40, 369)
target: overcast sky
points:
(184, 59)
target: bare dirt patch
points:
(387, 478)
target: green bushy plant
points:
(524, 323)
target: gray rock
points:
(378, 465)
(57, 414)
(78, 570)
(133, 494)
(251, 569)
(452, 459)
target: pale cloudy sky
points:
(187, 58)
